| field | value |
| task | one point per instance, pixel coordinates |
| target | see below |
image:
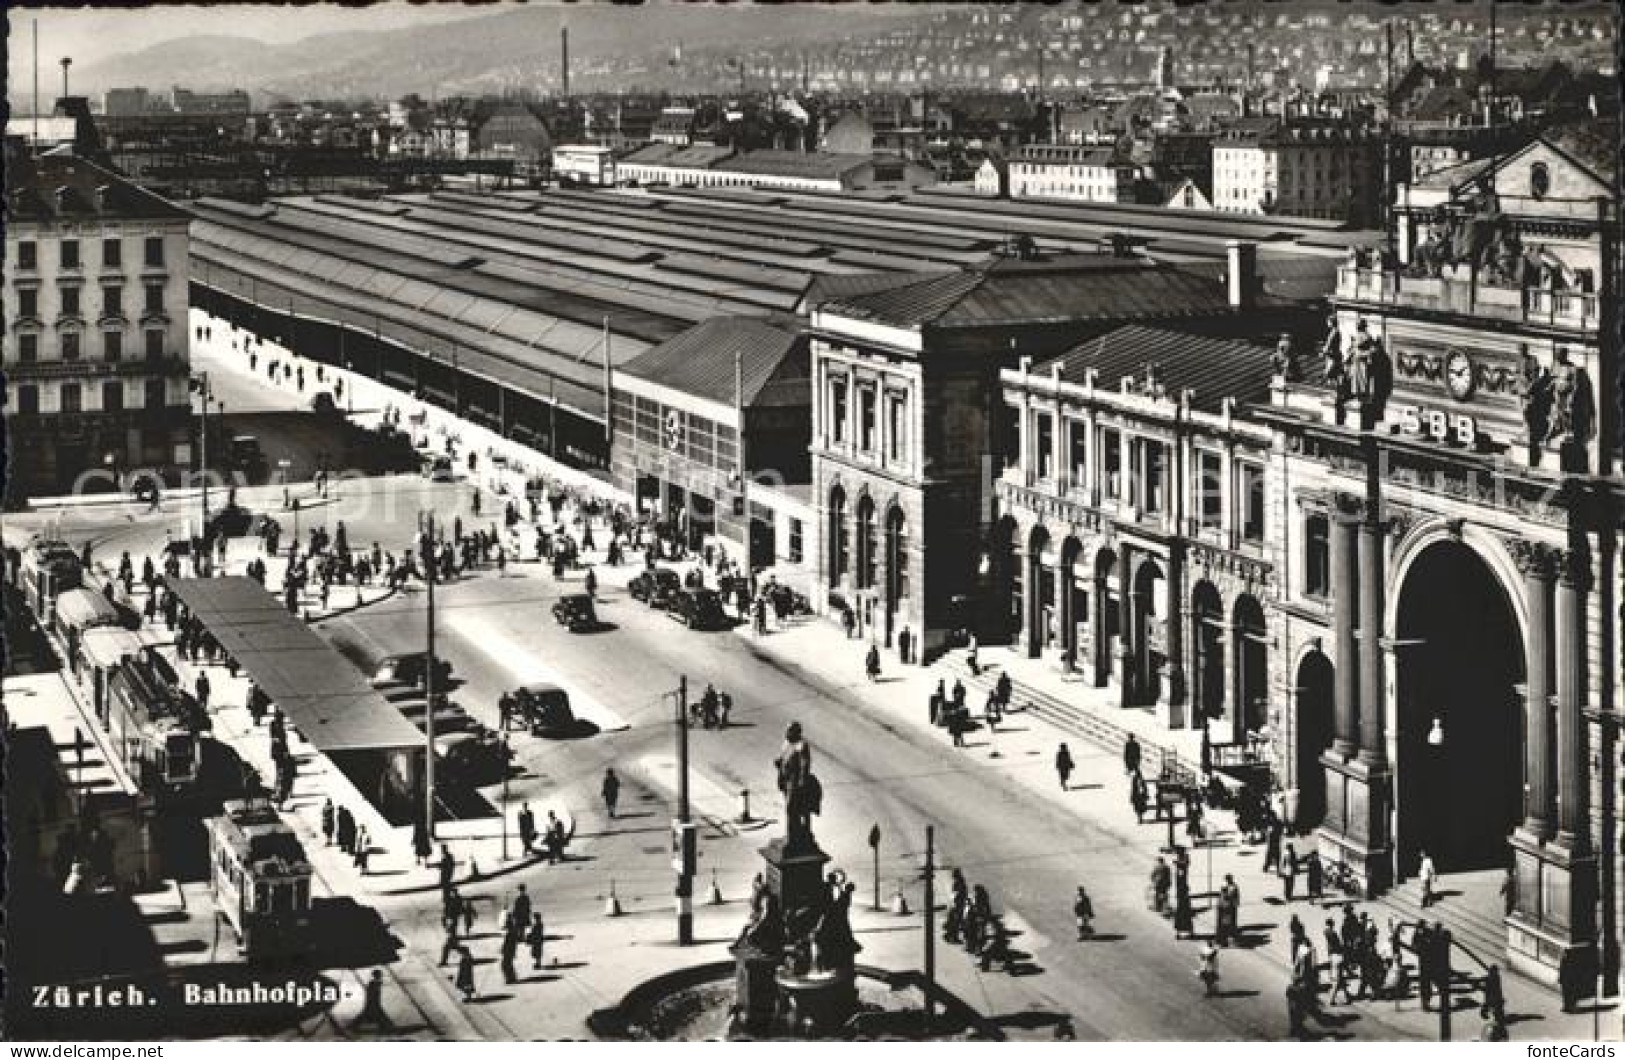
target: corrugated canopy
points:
(85, 608)
(323, 696)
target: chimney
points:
(103, 197)
(60, 200)
(564, 57)
(1242, 273)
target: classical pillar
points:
(1100, 593)
(1174, 637)
(1373, 745)
(1539, 567)
(1345, 689)
(1573, 772)
(1065, 621)
(1125, 623)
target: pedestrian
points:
(590, 583)
(363, 848)
(1063, 765)
(510, 949)
(1430, 879)
(449, 944)
(202, 686)
(520, 913)
(1509, 892)
(1229, 911)
(1422, 946)
(958, 694)
(871, 662)
(848, 622)
(956, 726)
(346, 830)
(1184, 915)
(527, 828)
(372, 1005)
(1315, 876)
(1083, 911)
(536, 938)
(448, 866)
(905, 640)
(465, 974)
(611, 791)
(1494, 996)
(1272, 845)
(1003, 689)
(1161, 882)
(938, 699)
(467, 910)
(971, 659)
(1207, 968)
(420, 842)
(1131, 755)
(1289, 872)
(329, 821)
(1139, 796)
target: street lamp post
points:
(505, 753)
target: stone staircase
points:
(1479, 936)
(1071, 718)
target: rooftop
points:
(51, 187)
(771, 354)
(1174, 361)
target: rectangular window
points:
(71, 401)
(866, 418)
(70, 253)
(28, 348)
(28, 302)
(28, 398)
(1210, 498)
(795, 541)
(112, 300)
(896, 427)
(70, 301)
(155, 299)
(1252, 502)
(837, 409)
(1317, 556)
(1078, 446)
(70, 346)
(27, 254)
(113, 395)
(1044, 433)
(113, 345)
(155, 345)
(112, 254)
(1111, 464)
(1155, 476)
(155, 398)
(154, 252)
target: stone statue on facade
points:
(835, 947)
(1535, 394)
(1331, 352)
(1283, 365)
(1573, 411)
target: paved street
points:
(998, 813)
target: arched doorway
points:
(1037, 605)
(836, 537)
(1105, 619)
(1207, 651)
(1006, 583)
(1315, 721)
(1459, 658)
(1147, 636)
(865, 578)
(896, 567)
(1252, 657)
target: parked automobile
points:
(448, 717)
(410, 668)
(231, 521)
(473, 756)
(544, 709)
(322, 403)
(439, 469)
(698, 609)
(576, 613)
(656, 587)
(247, 457)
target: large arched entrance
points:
(1315, 729)
(1039, 583)
(865, 579)
(1073, 599)
(835, 537)
(1459, 659)
(1105, 617)
(1145, 683)
(1252, 665)
(1207, 652)
(896, 567)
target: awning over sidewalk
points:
(322, 694)
(106, 646)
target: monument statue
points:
(836, 947)
(1282, 363)
(803, 795)
(1331, 351)
(1536, 396)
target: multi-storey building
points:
(1080, 174)
(1299, 169)
(95, 346)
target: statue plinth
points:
(795, 875)
(820, 1003)
(755, 991)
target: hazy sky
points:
(88, 34)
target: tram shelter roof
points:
(323, 696)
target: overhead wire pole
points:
(427, 524)
(683, 830)
(930, 925)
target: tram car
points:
(46, 570)
(154, 725)
(260, 879)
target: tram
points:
(155, 727)
(46, 570)
(260, 879)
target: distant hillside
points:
(507, 49)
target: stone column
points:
(1065, 621)
(1539, 567)
(1100, 592)
(1573, 772)
(1174, 636)
(1346, 728)
(1032, 601)
(1373, 740)
(1125, 622)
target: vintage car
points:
(410, 668)
(472, 756)
(698, 609)
(544, 709)
(656, 587)
(576, 613)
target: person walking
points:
(535, 938)
(971, 659)
(1083, 911)
(346, 831)
(363, 850)
(448, 867)
(372, 1004)
(1138, 796)
(1161, 881)
(1184, 916)
(1289, 872)
(1429, 876)
(1131, 755)
(1229, 915)
(1272, 844)
(203, 689)
(938, 700)
(956, 726)
(329, 821)
(1495, 1002)
(871, 662)
(510, 950)
(1315, 876)
(1422, 946)
(527, 828)
(1063, 765)
(611, 791)
(465, 974)
(520, 912)
(420, 842)
(449, 944)
(1207, 968)
(905, 640)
